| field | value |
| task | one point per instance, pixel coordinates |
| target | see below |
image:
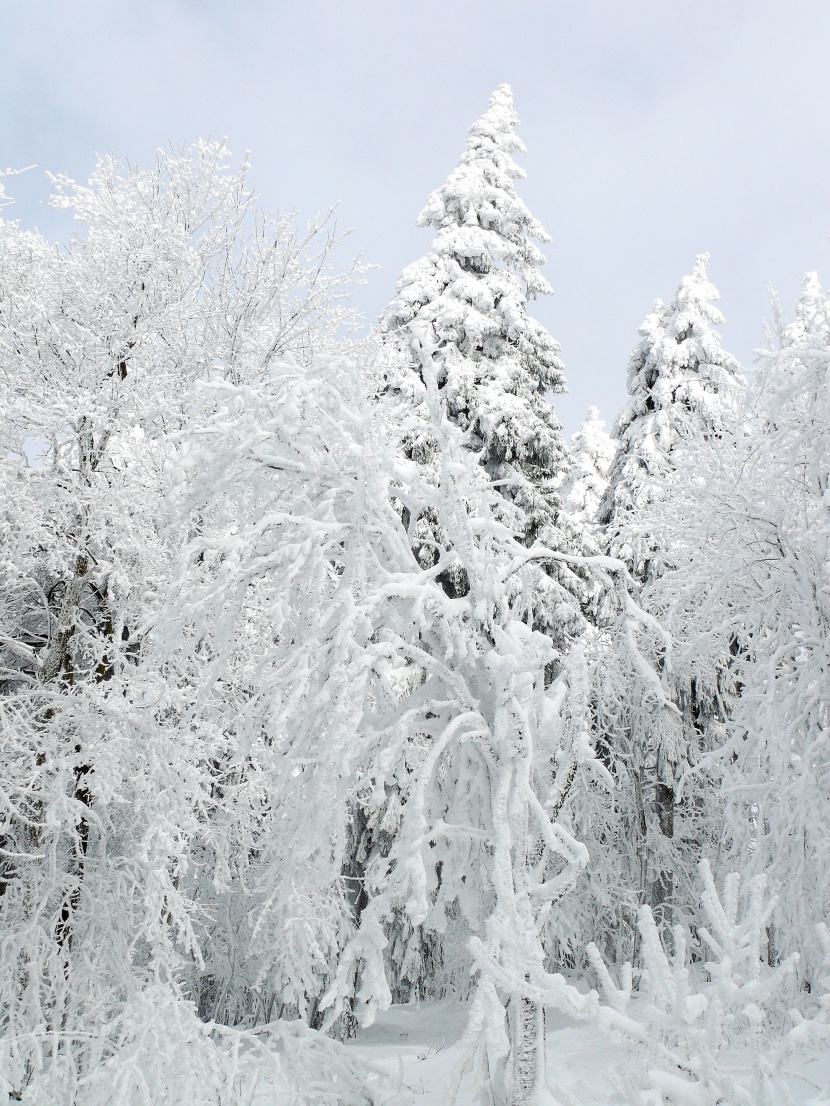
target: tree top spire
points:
(494, 132)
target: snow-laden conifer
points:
(584, 485)
(461, 320)
(683, 389)
(682, 386)
(763, 571)
(465, 306)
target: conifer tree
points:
(465, 305)
(584, 485)
(763, 570)
(682, 387)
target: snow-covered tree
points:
(170, 278)
(714, 1036)
(463, 311)
(763, 570)
(584, 485)
(682, 386)
(465, 306)
(438, 699)
(683, 389)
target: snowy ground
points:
(418, 1045)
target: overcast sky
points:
(655, 131)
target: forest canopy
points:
(333, 676)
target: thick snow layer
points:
(417, 1045)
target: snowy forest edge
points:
(332, 676)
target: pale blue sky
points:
(654, 131)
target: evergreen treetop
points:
(593, 453)
(681, 385)
(465, 304)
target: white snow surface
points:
(417, 1045)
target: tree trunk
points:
(528, 1074)
(663, 889)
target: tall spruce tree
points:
(682, 387)
(465, 306)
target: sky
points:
(654, 132)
